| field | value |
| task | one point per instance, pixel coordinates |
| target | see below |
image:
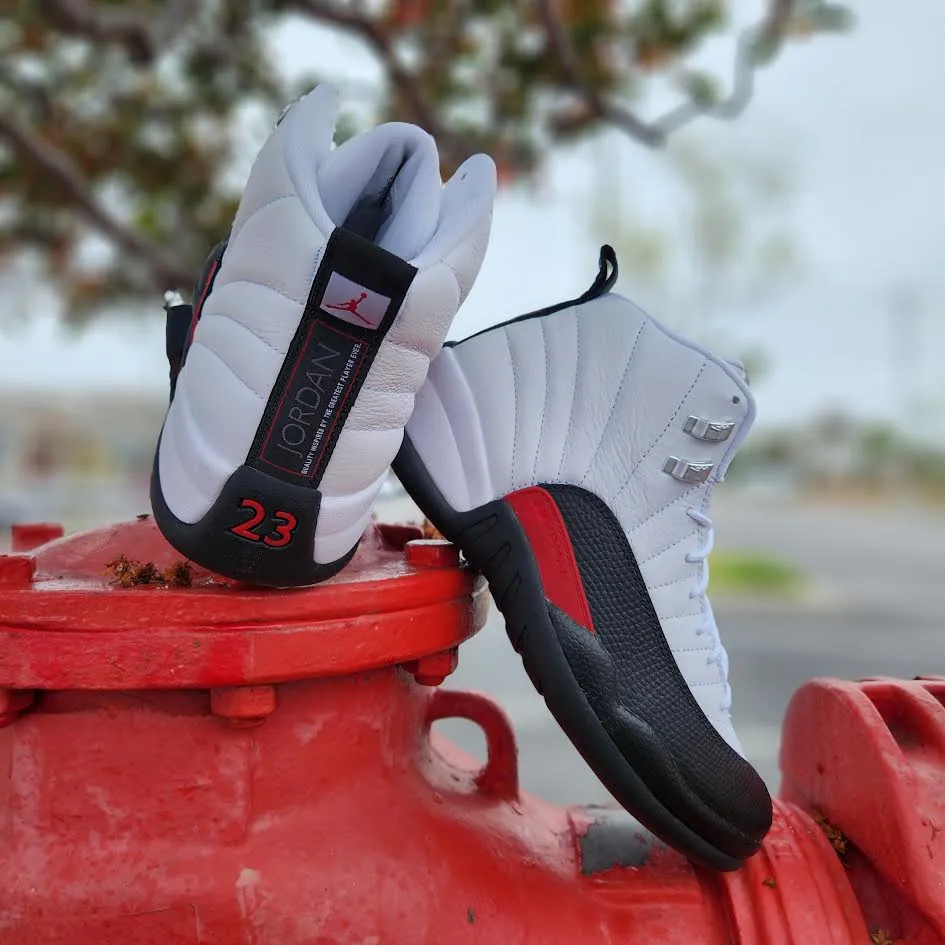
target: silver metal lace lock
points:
(712, 431)
(686, 471)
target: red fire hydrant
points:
(218, 765)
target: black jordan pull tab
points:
(182, 317)
(358, 291)
(179, 315)
(207, 277)
(606, 277)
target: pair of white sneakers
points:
(569, 453)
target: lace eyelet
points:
(689, 559)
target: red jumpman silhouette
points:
(352, 306)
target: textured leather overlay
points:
(329, 357)
(541, 520)
(649, 683)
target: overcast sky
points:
(863, 119)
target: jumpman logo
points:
(351, 306)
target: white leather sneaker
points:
(570, 454)
(313, 329)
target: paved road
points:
(879, 609)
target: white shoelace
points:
(718, 656)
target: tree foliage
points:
(119, 118)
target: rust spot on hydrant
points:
(126, 572)
(430, 530)
(179, 574)
(836, 836)
(881, 937)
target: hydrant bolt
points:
(431, 553)
(32, 535)
(243, 706)
(432, 670)
(16, 571)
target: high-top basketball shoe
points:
(570, 454)
(313, 328)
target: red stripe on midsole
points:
(540, 518)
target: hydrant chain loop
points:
(498, 778)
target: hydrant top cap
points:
(116, 608)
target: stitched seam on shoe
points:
(577, 370)
(665, 430)
(459, 282)
(613, 406)
(265, 285)
(252, 390)
(691, 613)
(544, 406)
(479, 413)
(216, 458)
(449, 425)
(656, 587)
(663, 551)
(413, 348)
(515, 405)
(268, 203)
(490, 485)
(663, 508)
(246, 328)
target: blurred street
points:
(875, 608)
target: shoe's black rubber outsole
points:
(494, 543)
(245, 535)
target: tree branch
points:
(770, 30)
(164, 269)
(596, 107)
(143, 35)
(452, 148)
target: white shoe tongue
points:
(386, 185)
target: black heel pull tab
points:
(179, 315)
(606, 277)
(182, 317)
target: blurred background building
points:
(804, 237)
